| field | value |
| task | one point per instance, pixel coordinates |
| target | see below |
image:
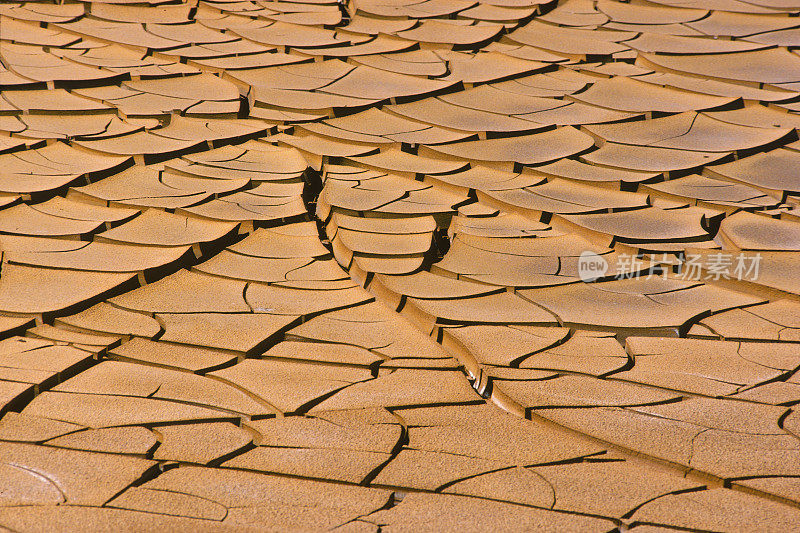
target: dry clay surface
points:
(306, 265)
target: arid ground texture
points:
(400, 265)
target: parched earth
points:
(400, 265)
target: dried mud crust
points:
(305, 266)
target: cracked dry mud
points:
(306, 265)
